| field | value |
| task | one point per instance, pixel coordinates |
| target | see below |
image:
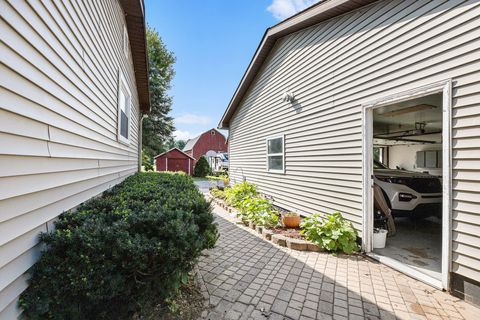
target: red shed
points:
(211, 140)
(175, 160)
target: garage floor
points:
(417, 244)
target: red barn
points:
(211, 140)
(175, 160)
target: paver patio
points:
(246, 277)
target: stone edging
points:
(268, 234)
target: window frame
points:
(268, 155)
(123, 83)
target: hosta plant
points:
(258, 210)
(217, 193)
(240, 192)
(333, 233)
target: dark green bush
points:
(202, 168)
(131, 247)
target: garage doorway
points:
(407, 182)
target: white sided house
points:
(73, 88)
(344, 83)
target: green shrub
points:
(147, 162)
(239, 192)
(332, 233)
(133, 246)
(202, 168)
(222, 177)
(217, 193)
(259, 210)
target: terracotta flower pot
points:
(291, 221)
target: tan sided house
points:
(73, 88)
(348, 99)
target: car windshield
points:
(378, 165)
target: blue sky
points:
(213, 41)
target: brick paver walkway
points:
(246, 277)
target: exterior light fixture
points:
(288, 97)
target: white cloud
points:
(282, 9)
(191, 118)
(184, 135)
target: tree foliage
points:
(172, 143)
(158, 125)
(202, 168)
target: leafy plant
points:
(117, 253)
(240, 192)
(222, 177)
(333, 233)
(147, 162)
(217, 193)
(267, 218)
(202, 168)
(258, 210)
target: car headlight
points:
(397, 180)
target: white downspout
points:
(140, 142)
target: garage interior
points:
(407, 140)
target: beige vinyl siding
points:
(59, 64)
(335, 67)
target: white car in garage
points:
(409, 193)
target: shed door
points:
(177, 165)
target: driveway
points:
(246, 277)
(204, 185)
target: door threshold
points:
(403, 268)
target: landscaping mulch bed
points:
(290, 233)
(187, 305)
(285, 237)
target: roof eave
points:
(136, 27)
(174, 148)
(320, 12)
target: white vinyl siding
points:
(336, 66)
(58, 121)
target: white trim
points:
(444, 87)
(189, 166)
(447, 183)
(276, 154)
(166, 163)
(126, 43)
(123, 82)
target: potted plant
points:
(291, 219)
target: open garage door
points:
(407, 223)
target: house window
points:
(212, 132)
(124, 110)
(276, 154)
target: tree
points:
(202, 167)
(180, 144)
(158, 124)
(172, 143)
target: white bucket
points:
(380, 238)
